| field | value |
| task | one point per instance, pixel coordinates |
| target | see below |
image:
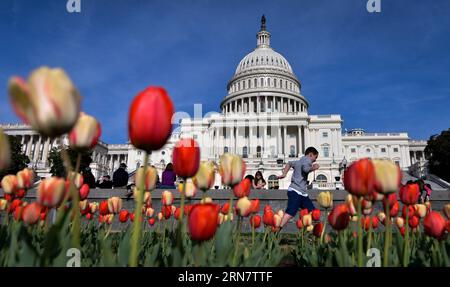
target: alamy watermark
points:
(373, 6)
(374, 255)
(74, 257)
(73, 6)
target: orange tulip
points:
(150, 119)
(255, 221)
(202, 221)
(315, 214)
(51, 192)
(124, 215)
(409, 194)
(25, 178)
(243, 188)
(31, 213)
(434, 225)
(339, 217)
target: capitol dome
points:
(264, 82)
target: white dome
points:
(263, 58)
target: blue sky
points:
(384, 72)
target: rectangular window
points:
(383, 149)
(353, 150)
(326, 151)
(325, 134)
(395, 149)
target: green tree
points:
(57, 165)
(19, 160)
(438, 152)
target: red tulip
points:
(375, 222)
(394, 209)
(187, 209)
(267, 208)
(177, 213)
(268, 218)
(151, 221)
(225, 208)
(202, 221)
(434, 225)
(89, 216)
(31, 213)
(150, 119)
(255, 221)
(84, 207)
(243, 188)
(84, 191)
(408, 209)
(339, 217)
(303, 212)
(359, 178)
(391, 199)
(103, 208)
(318, 228)
(166, 211)
(20, 193)
(402, 230)
(315, 214)
(409, 194)
(123, 216)
(299, 224)
(254, 206)
(186, 158)
(448, 225)
(413, 221)
(132, 216)
(14, 204)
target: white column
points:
(45, 152)
(250, 140)
(284, 140)
(279, 140)
(299, 140)
(307, 138)
(29, 143)
(36, 149)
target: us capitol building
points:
(264, 118)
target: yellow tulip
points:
(204, 179)
(85, 134)
(325, 199)
(231, 169)
(388, 176)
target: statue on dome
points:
(263, 23)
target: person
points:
(428, 190)
(120, 176)
(105, 183)
(88, 177)
(297, 195)
(250, 177)
(168, 177)
(258, 182)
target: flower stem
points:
(360, 239)
(406, 243)
(133, 260)
(387, 227)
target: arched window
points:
(225, 149)
(262, 82)
(138, 164)
(326, 150)
(244, 152)
(273, 182)
(321, 178)
(292, 151)
(249, 83)
(258, 151)
(256, 83)
(281, 83)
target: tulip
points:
(225, 208)
(268, 218)
(381, 217)
(93, 206)
(14, 204)
(104, 207)
(318, 229)
(49, 102)
(124, 215)
(254, 206)
(420, 210)
(231, 169)
(243, 205)
(280, 213)
(400, 222)
(31, 213)
(413, 221)
(114, 204)
(408, 211)
(375, 222)
(303, 212)
(151, 221)
(307, 220)
(85, 134)
(84, 207)
(149, 212)
(390, 200)
(310, 228)
(167, 197)
(177, 213)
(150, 119)
(51, 191)
(299, 224)
(255, 221)
(243, 188)
(388, 176)
(267, 207)
(84, 191)
(339, 217)
(186, 158)
(350, 205)
(5, 151)
(434, 225)
(410, 193)
(220, 218)
(190, 189)
(109, 218)
(359, 178)
(447, 210)
(173, 208)
(276, 221)
(3, 204)
(206, 200)
(448, 226)
(325, 199)
(315, 214)
(9, 184)
(202, 221)
(187, 209)
(166, 211)
(25, 178)
(151, 177)
(204, 178)
(18, 211)
(402, 230)
(89, 216)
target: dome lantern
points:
(263, 37)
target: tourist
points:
(168, 177)
(88, 177)
(297, 195)
(105, 183)
(428, 190)
(120, 177)
(258, 182)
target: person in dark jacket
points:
(88, 177)
(106, 182)
(120, 177)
